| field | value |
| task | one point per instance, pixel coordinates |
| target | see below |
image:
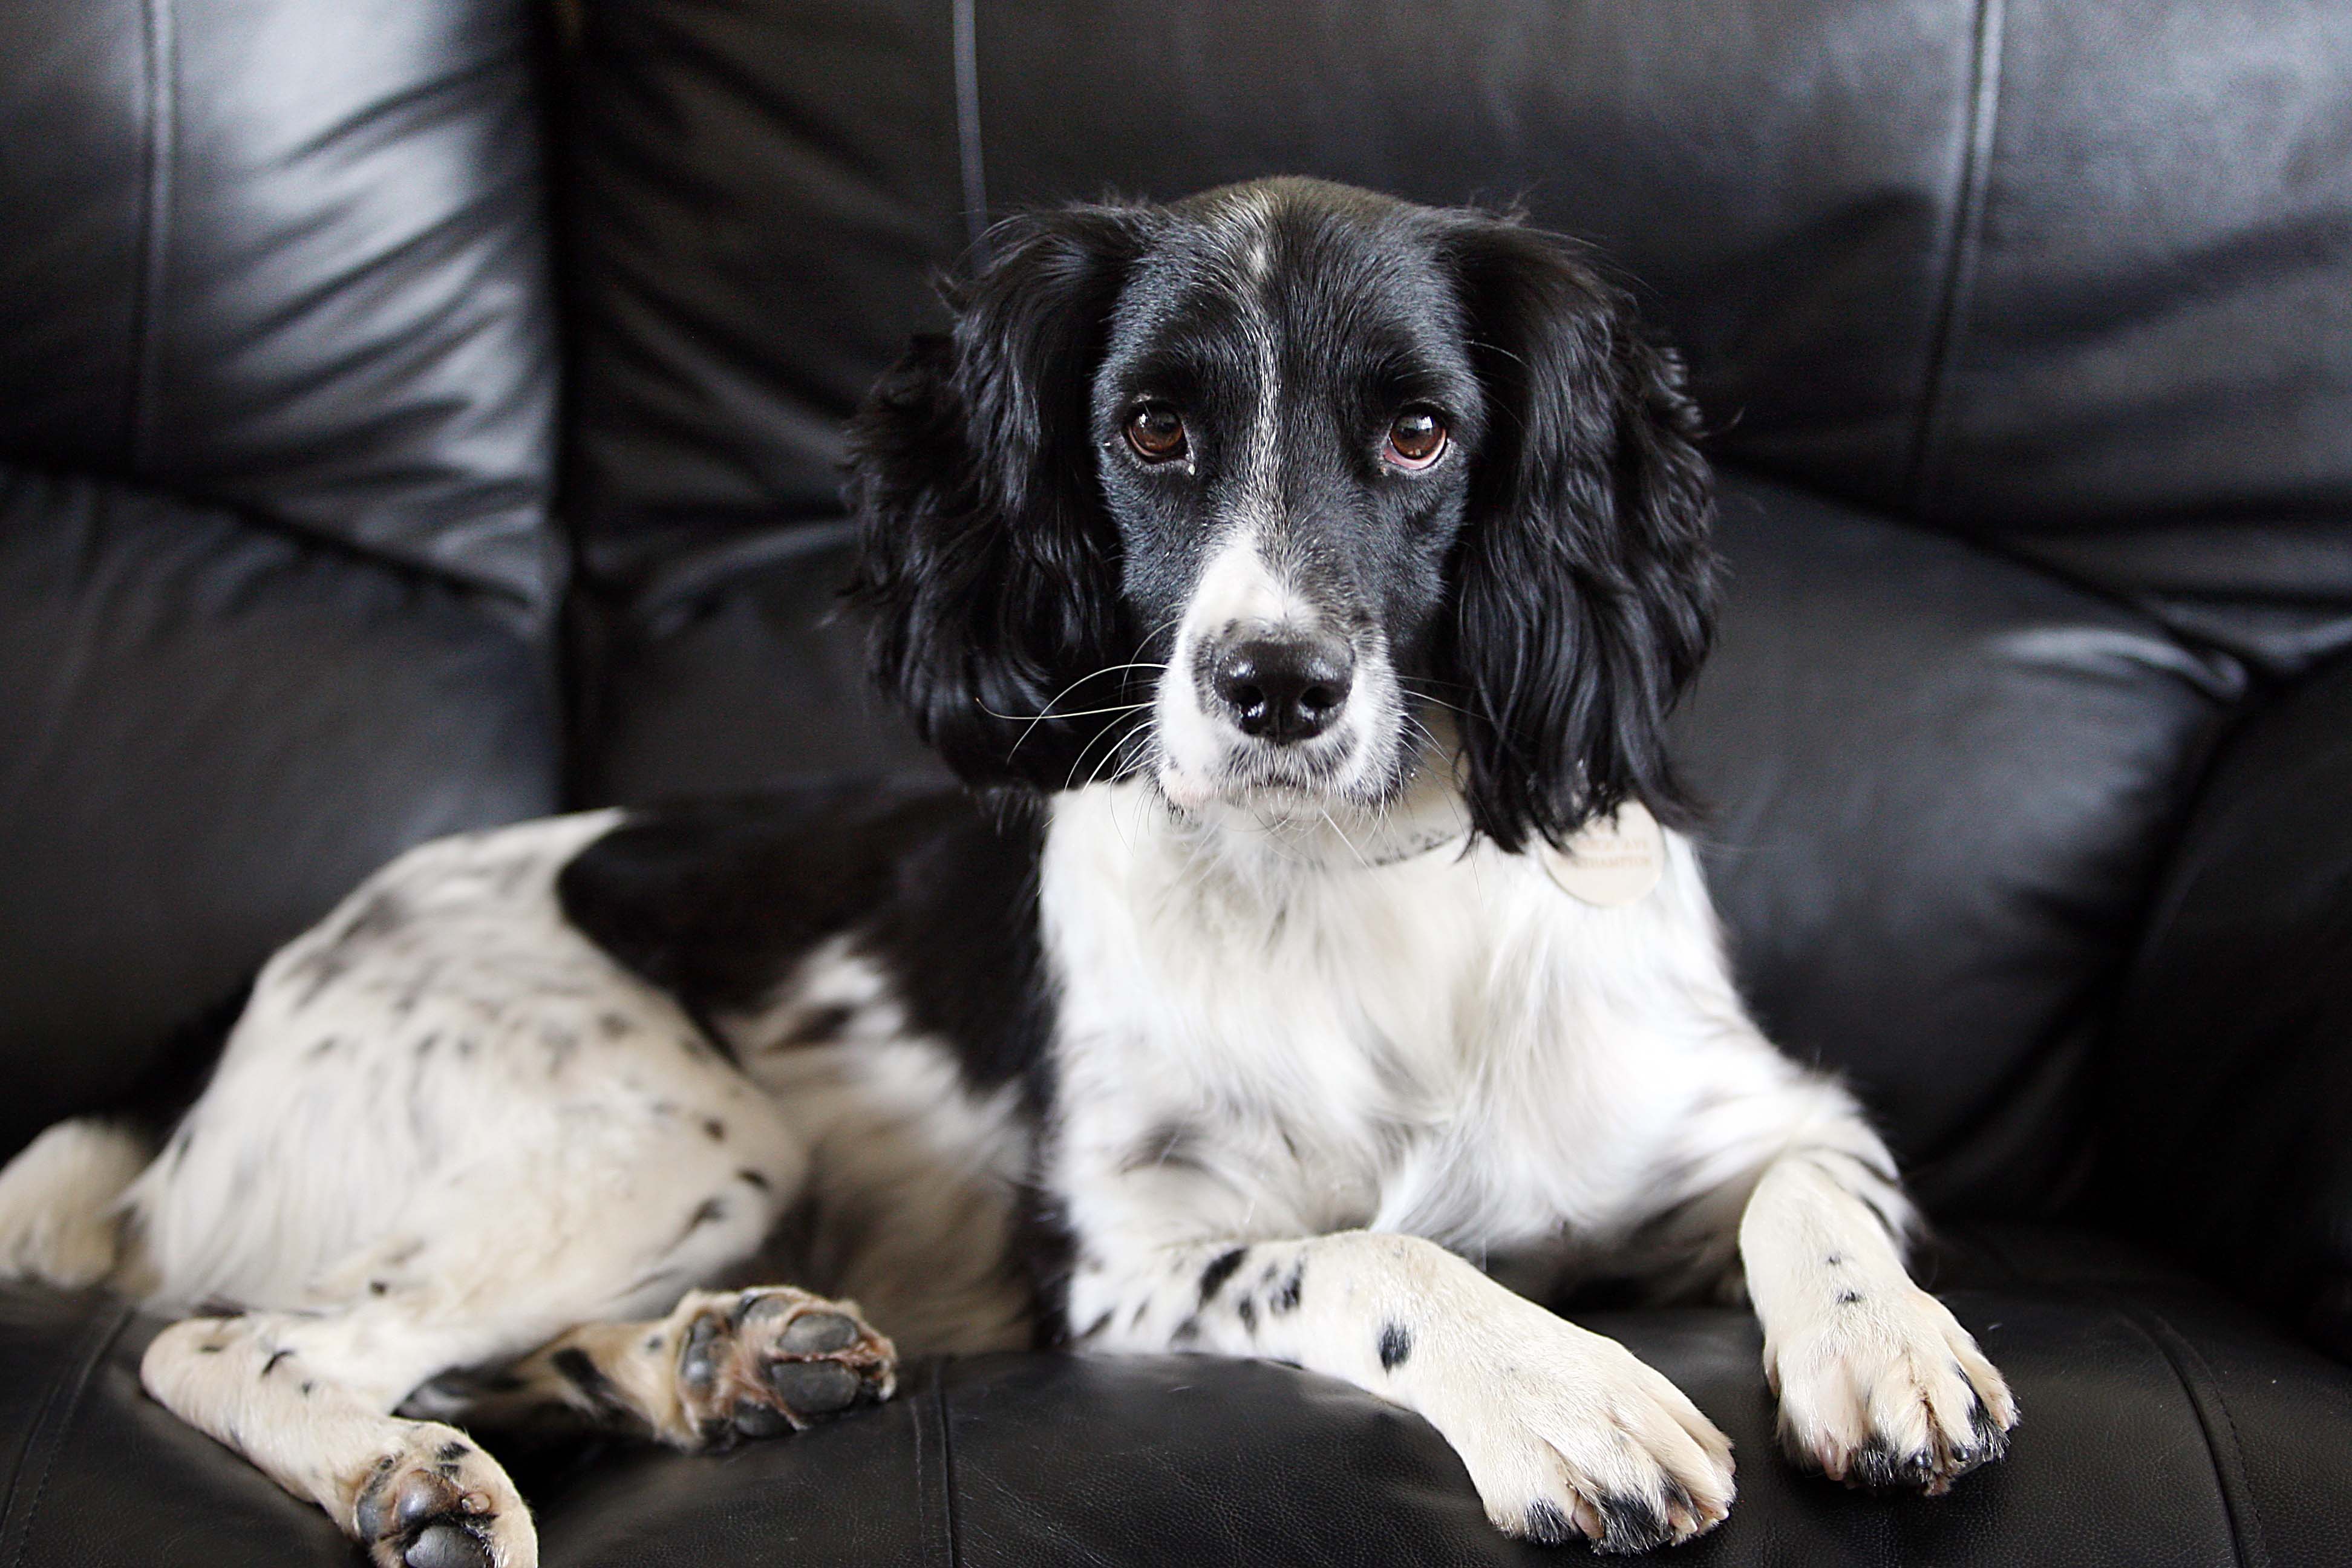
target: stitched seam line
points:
(49, 1428)
(146, 338)
(933, 1493)
(2213, 1419)
(968, 146)
(1959, 272)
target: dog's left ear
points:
(1584, 577)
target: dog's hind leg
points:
(309, 1400)
(725, 1365)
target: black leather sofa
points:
(422, 413)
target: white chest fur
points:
(1266, 1035)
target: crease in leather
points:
(155, 233)
(971, 153)
(934, 1477)
(2213, 1419)
(1951, 321)
(47, 1438)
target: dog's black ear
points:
(986, 562)
(1584, 577)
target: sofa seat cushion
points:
(2162, 1425)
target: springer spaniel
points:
(1300, 580)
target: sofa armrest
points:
(2229, 1110)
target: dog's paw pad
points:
(1896, 1397)
(762, 1363)
(442, 1504)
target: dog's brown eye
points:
(1416, 438)
(1156, 431)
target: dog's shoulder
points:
(722, 903)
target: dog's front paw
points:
(1885, 1389)
(441, 1503)
(754, 1364)
(1570, 1434)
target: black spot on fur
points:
(614, 1026)
(307, 1386)
(1834, 1259)
(714, 1130)
(271, 1364)
(751, 1178)
(709, 1211)
(1246, 1310)
(1286, 1298)
(1185, 1333)
(450, 1451)
(588, 1381)
(1220, 1270)
(210, 1350)
(1095, 1328)
(1848, 1298)
(1548, 1523)
(379, 1287)
(1396, 1346)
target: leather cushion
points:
(2227, 1080)
(209, 732)
(290, 257)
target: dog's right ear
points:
(986, 562)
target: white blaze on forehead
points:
(1239, 585)
(1245, 226)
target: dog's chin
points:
(1274, 787)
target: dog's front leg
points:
(1878, 1382)
(1562, 1430)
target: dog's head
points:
(1247, 494)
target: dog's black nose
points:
(1285, 691)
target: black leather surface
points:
(2149, 379)
(286, 256)
(2162, 1426)
(2229, 1077)
(208, 733)
(1942, 788)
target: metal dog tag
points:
(1612, 860)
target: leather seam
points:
(971, 155)
(56, 1419)
(2197, 1381)
(154, 231)
(933, 1475)
(1951, 321)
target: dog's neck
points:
(1278, 837)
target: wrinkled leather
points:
(2228, 1092)
(287, 257)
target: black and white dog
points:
(1299, 576)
